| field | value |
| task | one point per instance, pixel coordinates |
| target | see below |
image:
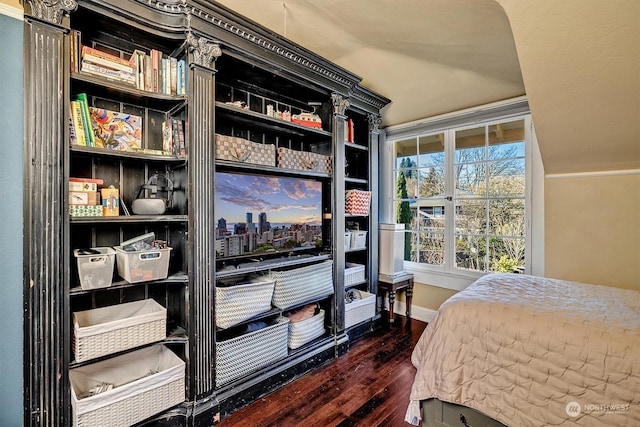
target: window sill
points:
(441, 279)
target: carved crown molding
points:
(340, 103)
(52, 11)
(205, 52)
(263, 43)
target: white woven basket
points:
(353, 274)
(145, 382)
(248, 353)
(360, 310)
(108, 330)
(237, 303)
(304, 284)
(306, 330)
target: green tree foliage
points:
(403, 212)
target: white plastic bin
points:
(95, 269)
(358, 239)
(143, 266)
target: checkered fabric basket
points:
(244, 151)
(299, 285)
(250, 352)
(237, 303)
(306, 330)
(356, 202)
(303, 160)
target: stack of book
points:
(84, 197)
(104, 64)
(173, 139)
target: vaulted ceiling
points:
(577, 61)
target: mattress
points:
(532, 351)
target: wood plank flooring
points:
(369, 386)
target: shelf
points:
(356, 146)
(253, 119)
(355, 250)
(263, 169)
(129, 90)
(103, 152)
(121, 284)
(128, 219)
(254, 267)
(356, 180)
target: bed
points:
(532, 351)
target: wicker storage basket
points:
(244, 151)
(237, 303)
(360, 310)
(144, 382)
(248, 353)
(303, 160)
(353, 274)
(306, 330)
(304, 284)
(108, 330)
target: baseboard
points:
(418, 313)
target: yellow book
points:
(78, 123)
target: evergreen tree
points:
(403, 213)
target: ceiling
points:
(577, 61)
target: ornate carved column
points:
(202, 56)
(375, 120)
(340, 105)
(46, 241)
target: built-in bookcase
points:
(242, 85)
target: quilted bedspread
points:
(531, 351)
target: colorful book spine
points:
(76, 115)
(173, 73)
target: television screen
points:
(258, 214)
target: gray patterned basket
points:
(299, 285)
(244, 151)
(237, 303)
(306, 330)
(303, 160)
(353, 274)
(248, 353)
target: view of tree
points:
(403, 212)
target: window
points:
(463, 193)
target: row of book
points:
(151, 72)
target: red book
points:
(105, 55)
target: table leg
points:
(409, 295)
(392, 299)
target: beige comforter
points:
(530, 351)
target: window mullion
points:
(450, 202)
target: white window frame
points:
(449, 276)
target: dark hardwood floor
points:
(369, 386)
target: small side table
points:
(392, 284)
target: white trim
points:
(418, 313)
(455, 281)
(594, 173)
(12, 12)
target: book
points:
(173, 74)
(88, 129)
(97, 181)
(73, 139)
(137, 59)
(121, 76)
(155, 73)
(78, 125)
(182, 149)
(115, 130)
(92, 59)
(148, 81)
(95, 53)
(167, 136)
